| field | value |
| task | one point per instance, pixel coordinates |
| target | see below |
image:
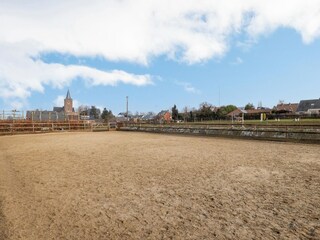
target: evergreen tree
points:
(106, 115)
(175, 113)
(94, 112)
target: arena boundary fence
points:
(297, 133)
(26, 127)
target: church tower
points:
(68, 103)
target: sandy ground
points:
(119, 185)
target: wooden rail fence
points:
(24, 127)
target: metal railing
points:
(11, 115)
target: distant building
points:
(258, 111)
(39, 115)
(164, 116)
(58, 114)
(148, 117)
(237, 113)
(309, 107)
(68, 102)
(241, 113)
(122, 117)
(286, 109)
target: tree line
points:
(205, 112)
(94, 113)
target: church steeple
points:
(68, 108)
(68, 95)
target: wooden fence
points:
(24, 127)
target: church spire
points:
(68, 95)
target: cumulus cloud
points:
(189, 31)
(21, 73)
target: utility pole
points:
(219, 95)
(127, 109)
(219, 91)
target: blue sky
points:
(185, 61)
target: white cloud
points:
(238, 61)
(59, 101)
(188, 87)
(21, 74)
(131, 30)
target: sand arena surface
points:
(120, 185)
